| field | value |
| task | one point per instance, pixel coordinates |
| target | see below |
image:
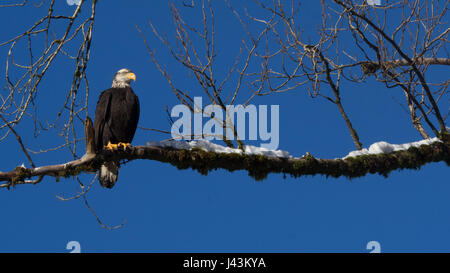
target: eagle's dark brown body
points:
(116, 119)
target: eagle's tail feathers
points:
(109, 172)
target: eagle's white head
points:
(123, 77)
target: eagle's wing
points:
(102, 114)
(133, 117)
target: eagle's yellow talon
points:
(123, 145)
(111, 146)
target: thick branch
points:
(258, 166)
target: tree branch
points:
(372, 67)
(258, 166)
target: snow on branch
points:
(216, 148)
(384, 147)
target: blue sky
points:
(170, 210)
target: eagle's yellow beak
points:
(131, 76)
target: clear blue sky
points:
(168, 210)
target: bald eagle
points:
(116, 119)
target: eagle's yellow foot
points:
(123, 145)
(111, 146)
